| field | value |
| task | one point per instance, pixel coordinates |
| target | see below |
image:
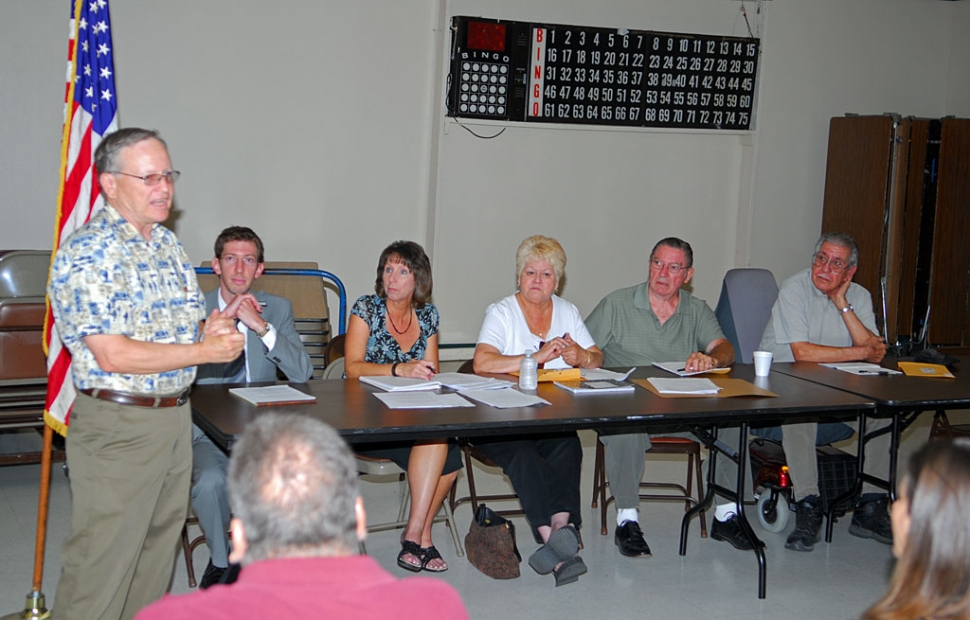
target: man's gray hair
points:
(842, 240)
(293, 484)
(676, 244)
(106, 155)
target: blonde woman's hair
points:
(541, 248)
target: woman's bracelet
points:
(394, 369)
(589, 357)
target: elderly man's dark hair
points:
(293, 484)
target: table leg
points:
(901, 422)
(857, 489)
(740, 457)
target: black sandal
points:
(428, 554)
(412, 548)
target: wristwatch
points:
(264, 332)
(848, 308)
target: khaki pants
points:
(798, 440)
(799, 443)
(625, 464)
(130, 471)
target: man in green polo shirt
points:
(657, 321)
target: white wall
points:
(958, 62)
(313, 122)
(33, 49)
(825, 59)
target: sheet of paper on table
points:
(602, 374)
(505, 399)
(273, 395)
(400, 384)
(421, 400)
(862, 368)
(683, 386)
(463, 381)
(599, 386)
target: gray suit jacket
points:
(288, 353)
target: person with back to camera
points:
(931, 537)
(544, 469)
(298, 521)
(395, 332)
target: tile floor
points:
(713, 581)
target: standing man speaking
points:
(128, 308)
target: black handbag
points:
(490, 544)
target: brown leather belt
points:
(138, 400)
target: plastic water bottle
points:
(528, 372)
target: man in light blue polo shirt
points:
(822, 316)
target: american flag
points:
(90, 112)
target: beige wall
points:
(318, 123)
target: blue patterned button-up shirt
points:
(107, 279)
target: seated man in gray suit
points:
(271, 343)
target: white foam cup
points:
(762, 363)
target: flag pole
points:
(94, 87)
(35, 607)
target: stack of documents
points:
(862, 368)
(684, 386)
(401, 384)
(463, 381)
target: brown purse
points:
(490, 544)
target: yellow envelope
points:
(564, 374)
(919, 369)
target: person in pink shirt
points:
(298, 520)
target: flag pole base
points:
(34, 609)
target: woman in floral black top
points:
(395, 332)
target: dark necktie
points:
(235, 371)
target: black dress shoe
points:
(730, 531)
(212, 575)
(629, 538)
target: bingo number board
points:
(548, 73)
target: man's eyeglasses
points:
(230, 260)
(835, 265)
(672, 268)
(153, 179)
